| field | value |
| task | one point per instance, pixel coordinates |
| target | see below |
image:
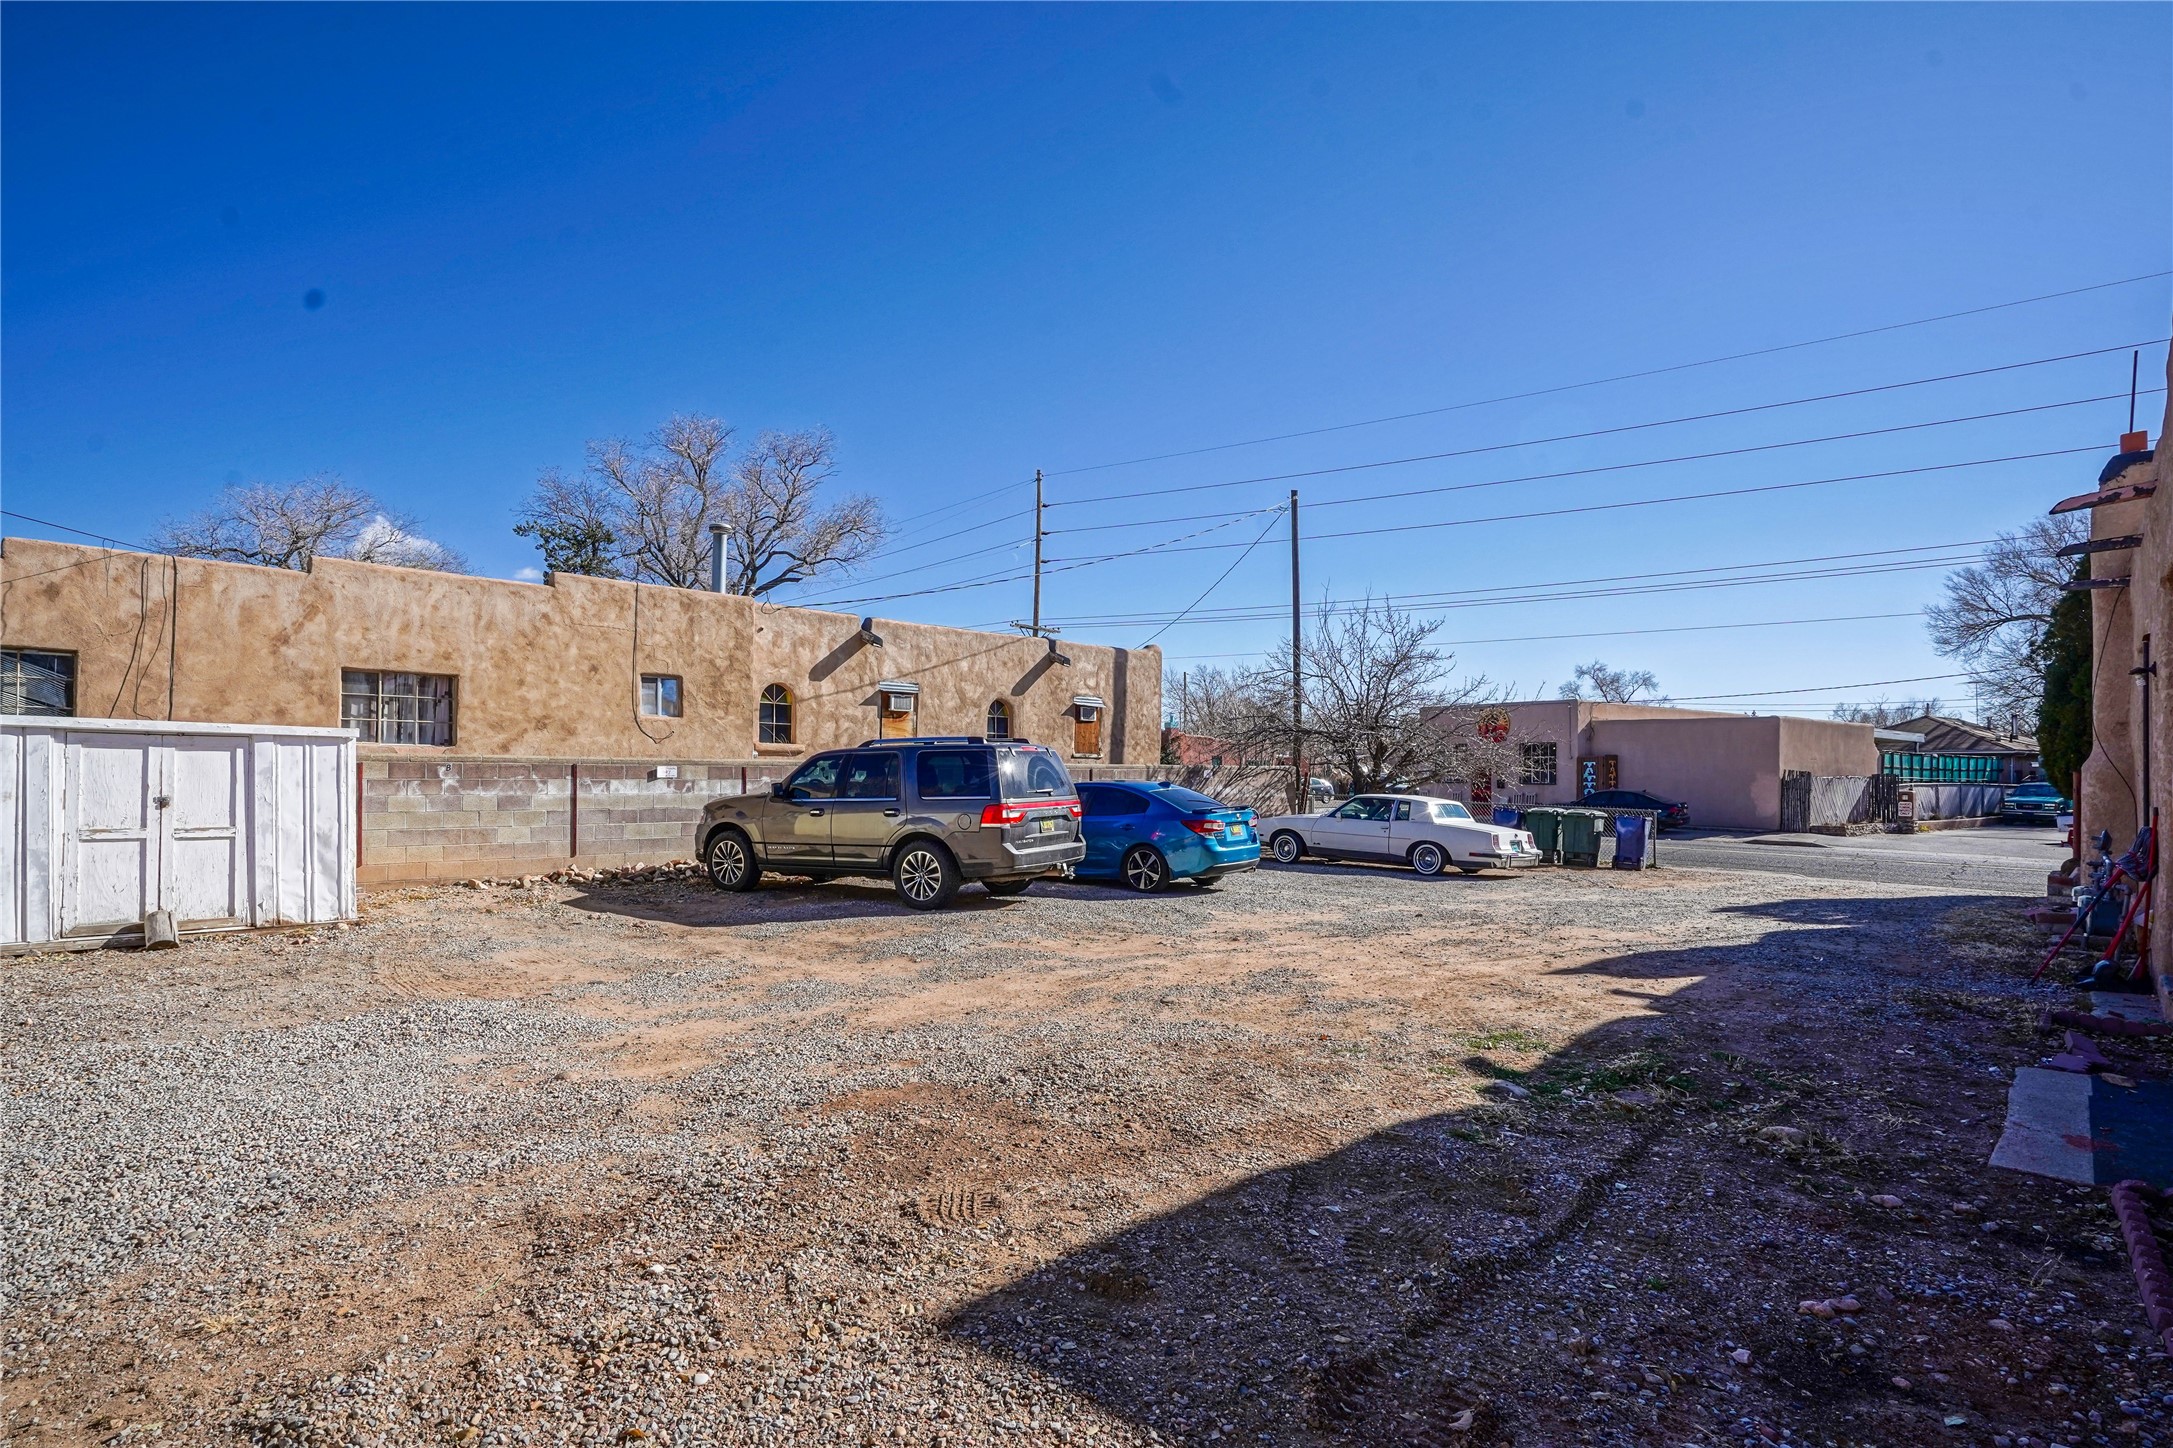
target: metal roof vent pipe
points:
(717, 534)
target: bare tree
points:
(1882, 713)
(644, 511)
(779, 534)
(289, 525)
(1994, 616)
(1214, 701)
(1612, 686)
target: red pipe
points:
(2102, 1025)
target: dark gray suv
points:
(930, 814)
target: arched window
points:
(999, 720)
(776, 715)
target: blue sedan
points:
(1145, 834)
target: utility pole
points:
(1032, 623)
(1038, 534)
(1302, 794)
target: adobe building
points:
(2125, 779)
(520, 727)
(1726, 767)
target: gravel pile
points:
(616, 1161)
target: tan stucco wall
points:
(1726, 769)
(545, 670)
(2121, 620)
(1828, 747)
(2111, 784)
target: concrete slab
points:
(2048, 1126)
(2078, 1128)
(2122, 1003)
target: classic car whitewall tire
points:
(1287, 847)
(1428, 858)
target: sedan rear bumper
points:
(1507, 862)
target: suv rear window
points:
(955, 774)
(1033, 774)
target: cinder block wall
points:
(458, 817)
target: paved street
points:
(2009, 860)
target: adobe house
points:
(1726, 767)
(2130, 576)
(518, 727)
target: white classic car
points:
(1431, 835)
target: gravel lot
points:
(1328, 1155)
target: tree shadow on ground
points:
(1556, 1269)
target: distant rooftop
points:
(1958, 736)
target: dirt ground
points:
(1327, 1155)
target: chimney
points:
(717, 535)
(2135, 442)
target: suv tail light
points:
(1210, 828)
(1015, 814)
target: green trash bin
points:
(1581, 830)
(1546, 829)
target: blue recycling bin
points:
(1630, 839)
(1506, 815)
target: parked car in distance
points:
(1431, 835)
(929, 814)
(2038, 803)
(1144, 835)
(1674, 814)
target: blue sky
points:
(975, 241)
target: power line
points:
(1618, 377)
(1597, 432)
(1403, 600)
(963, 502)
(1819, 689)
(954, 558)
(1165, 544)
(1559, 474)
(1599, 634)
(1687, 586)
(1165, 628)
(1682, 497)
(80, 533)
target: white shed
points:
(229, 826)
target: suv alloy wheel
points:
(731, 864)
(925, 874)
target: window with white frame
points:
(999, 720)
(388, 707)
(1539, 764)
(36, 681)
(660, 695)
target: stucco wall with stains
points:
(543, 671)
